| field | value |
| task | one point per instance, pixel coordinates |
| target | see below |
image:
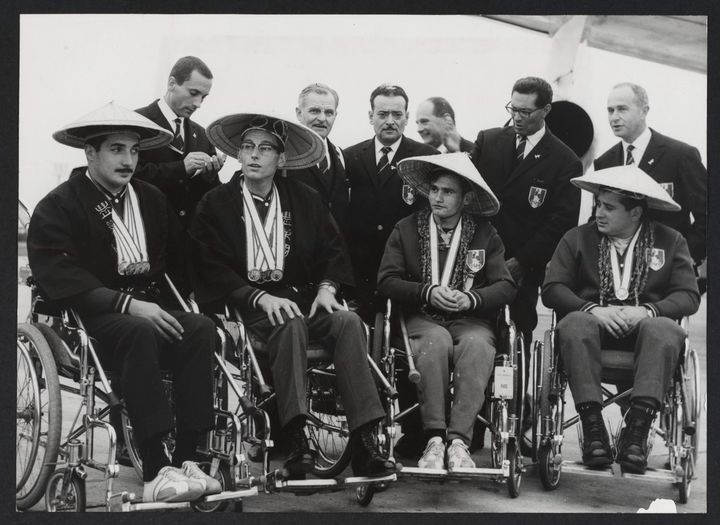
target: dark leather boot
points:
(596, 443)
(366, 458)
(301, 458)
(632, 444)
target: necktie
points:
(629, 159)
(384, 160)
(177, 141)
(520, 152)
(324, 165)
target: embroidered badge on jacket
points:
(536, 196)
(669, 187)
(655, 258)
(408, 194)
(475, 260)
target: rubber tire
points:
(549, 477)
(377, 338)
(364, 494)
(515, 478)
(77, 487)
(545, 377)
(226, 481)
(690, 389)
(39, 348)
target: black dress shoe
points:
(301, 458)
(632, 444)
(410, 446)
(596, 443)
(366, 458)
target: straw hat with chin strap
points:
(113, 118)
(416, 172)
(302, 146)
(629, 181)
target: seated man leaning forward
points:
(445, 268)
(267, 245)
(620, 282)
(101, 243)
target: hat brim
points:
(628, 179)
(109, 119)
(415, 171)
(303, 147)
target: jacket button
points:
(182, 213)
(379, 227)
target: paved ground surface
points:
(578, 491)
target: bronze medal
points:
(254, 275)
(276, 275)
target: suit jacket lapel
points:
(159, 119)
(401, 153)
(368, 157)
(536, 155)
(653, 152)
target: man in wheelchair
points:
(445, 268)
(267, 245)
(100, 243)
(620, 282)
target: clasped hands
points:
(449, 300)
(620, 321)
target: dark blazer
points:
(530, 232)
(573, 282)
(164, 166)
(678, 166)
(466, 146)
(376, 205)
(332, 185)
(400, 274)
(72, 251)
(314, 248)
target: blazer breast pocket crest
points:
(536, 196)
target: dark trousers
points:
(135, 351)
(340, 333)
(657, 343)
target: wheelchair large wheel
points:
(515, 477)
(550, 418)
(65, 496)
(39, 416)
(691, 423)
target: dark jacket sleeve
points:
(53, 256)
(500, 288)
(332, 256)
(693, 177)
(563, 215)
(392, 275)
(561, 278)
(682, 296)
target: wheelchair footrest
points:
(230, 495)
(311, 486)
(457, 474)
(615, 470)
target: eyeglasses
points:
(249, 147)
(524, 113)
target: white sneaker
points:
(195, 473)
(171, 485)
(458, 456)
(434, 455)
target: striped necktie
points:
(520, 151)
(630, 159)
(384, 160)
(178, 142)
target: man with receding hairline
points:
(317, 109)
(188, 167)
(674, 164)
(435, 119)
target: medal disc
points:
(266, 276)
(622, 294)
(276, 275)
(254, 275)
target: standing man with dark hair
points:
(529, 169)
(378, 196)
(435, 119)
(188, 167)
(675, 165)
(317, 109)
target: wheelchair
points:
(504, 405)
(677, 421)
(326, 426)
(53, 344)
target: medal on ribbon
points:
(265, 241)
(621, 281)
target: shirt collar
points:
(379, 145)
(641, 142)
(534, 138)
(169, 114)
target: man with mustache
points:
(102, 243)
(378, 200)
(317, 109)
(188, 167)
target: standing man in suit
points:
(435, 119)
(188, 167)
(317, 109)
(675, 165)
(529, 169)
(378, 196)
